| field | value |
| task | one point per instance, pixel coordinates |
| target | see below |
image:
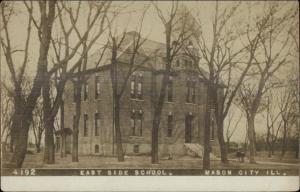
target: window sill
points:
(134, 99)
(86, 101)
(191, 103)
(171, 102)
(136, 137)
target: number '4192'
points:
(24, 172)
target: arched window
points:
(97, 87)
(85, 125)
(212, 124)
(188, 90)
(170, 89)
(96, 148)
(170, 125)
(140, 86)
(97, 123)
(191, 91)
(140, 123)
(188, 127)
(74, 92)
(193, 86)
(177, 63)
(132, 122)
(132, 86)
(85, 91)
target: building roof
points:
(103, 56)
(150, 48)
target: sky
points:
(152, 28)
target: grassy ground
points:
(187, 162)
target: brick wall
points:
(151, 85)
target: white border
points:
(150, 183)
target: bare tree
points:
(226, 61)
(121, 70)
(38, 125)
(229, 131)
(267, 63)
(6, 117)
(272, 121)
(70, 63)
(175, 39)
(288, 113)
(25, 104)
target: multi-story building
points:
(182, 119)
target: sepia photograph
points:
(150, 88)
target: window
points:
(85, 90)
(97, 124)
(74, 120)
(96, 148)
(191, 91)
(132, 122)
(132, 87)
(85, 125)
(190, 64)
(170, 125)
(195, 64)
(136, 123)
(188, 127)
(140, 87)
(136, 149)
(188, 91)
(140, 123)
(136, 86)
(186, 63)
(177, 63)
(200, 93)
(97, 87)
(170, 89)
(74, 93)
(193, 86)
(212, 124)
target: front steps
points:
(196, 150)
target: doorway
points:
(188, 127)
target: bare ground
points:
(182, 162)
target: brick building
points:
(182, 120)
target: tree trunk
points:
(268, 142)
(219, 114)
(118, 130)
(16, 121)
(27, 107)
(284, 140)
(297, 152)
(49, 151)
(251, 136)
(63, 145)
(21, 143)
(228, 144)
(11, 144)
(156, 120)
(206, 159)
(38, 148)
(76, 123)
(62, 127)
(222, 143)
